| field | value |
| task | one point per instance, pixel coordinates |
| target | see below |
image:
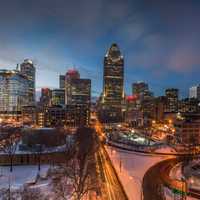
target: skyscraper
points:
(13, 93)
(113, 85)
(62, 81)
(172, 100)
(27, 68)
(194, 92)
(77, 90)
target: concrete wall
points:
(32, 159)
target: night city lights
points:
(99, 100)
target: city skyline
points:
(156, 46)
(99, 100)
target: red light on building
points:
(72, 74)
(45, 90)
(132, 98)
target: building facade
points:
(159, 108)
(58, 97)
(62, 81)
(46, 96)
(139, 88)
(189, 105)
(188, 130)
(172, 95)
(14, 87)
(194, 92)
(29, 115)
(27, 68)
(69, 115)
(77, 90)
(113, 86)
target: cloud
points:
(157, 37)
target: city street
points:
(109, 180)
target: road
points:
(157, 176)
(110, 182)
(111, 187)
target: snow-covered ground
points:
(40, 181)
(131, 168)
(20, 175)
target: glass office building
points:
(28, 69)
(13, 93)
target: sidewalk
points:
(131, 168)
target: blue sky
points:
(160, 39)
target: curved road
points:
(157, 176)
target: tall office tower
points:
(27, 68)
(172, 100)
(45, 99)
(62, 81)
(77, 90)
(13, 93)
(139, 88)
(113, 86)
(194, 92)
(58, 97)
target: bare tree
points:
(9, 147)
(77, 174)
(74, 180)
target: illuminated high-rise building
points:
(13, 93)
(113, 85)
(27, 68)
(77, 90)
(172, 100)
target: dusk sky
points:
(160, 39)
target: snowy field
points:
(20, 175)
(131, 168)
